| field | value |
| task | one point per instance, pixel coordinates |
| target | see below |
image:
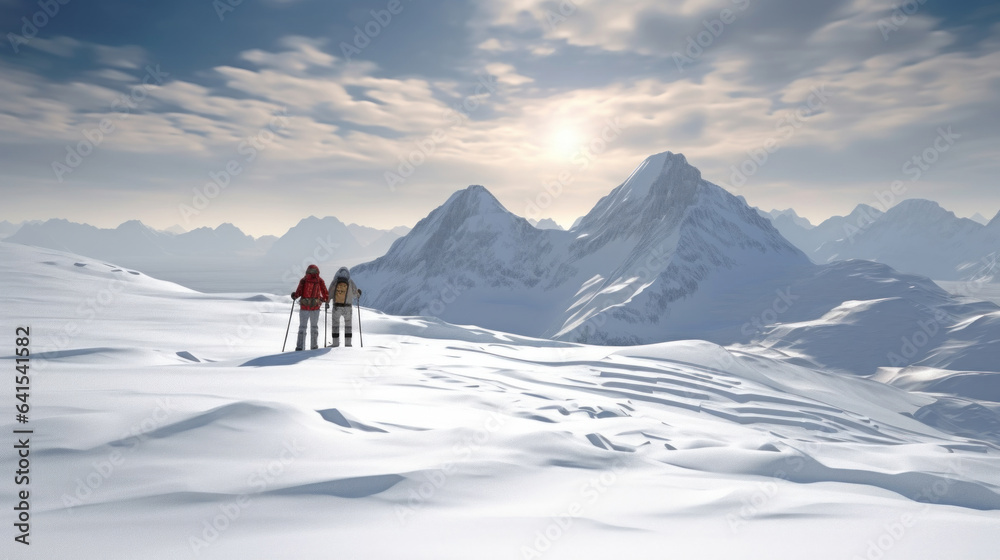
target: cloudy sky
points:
(262, 112)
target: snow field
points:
(168, 425)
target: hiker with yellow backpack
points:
(343, 294)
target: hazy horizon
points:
(111, 224)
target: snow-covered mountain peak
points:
(665, 203)
(662, 181)
(471, 210)
(471, 216)
(658, 174)
(135, 226)
(791, 215)
(914, 205)
(545, 223)
(227, 228)
(474, 200)
(920, 214)
(864, 212)
(313, 220)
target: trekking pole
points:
(361, 334)
(290, 312)
(326, 323)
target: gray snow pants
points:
(336, 313)
(305, 317)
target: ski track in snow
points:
(160, 415)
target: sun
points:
(564, 141)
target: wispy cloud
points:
(562, 71)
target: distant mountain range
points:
(545, 223)
(787, 215)
(666, 255)
(808, 238)
(219, 259)
(915, 236)
(7, 228)
(669, 256)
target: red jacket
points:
(312, 290)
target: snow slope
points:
(168, 425)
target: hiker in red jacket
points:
(312, 290)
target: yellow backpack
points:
(340, 293)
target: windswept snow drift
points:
(168, 425)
